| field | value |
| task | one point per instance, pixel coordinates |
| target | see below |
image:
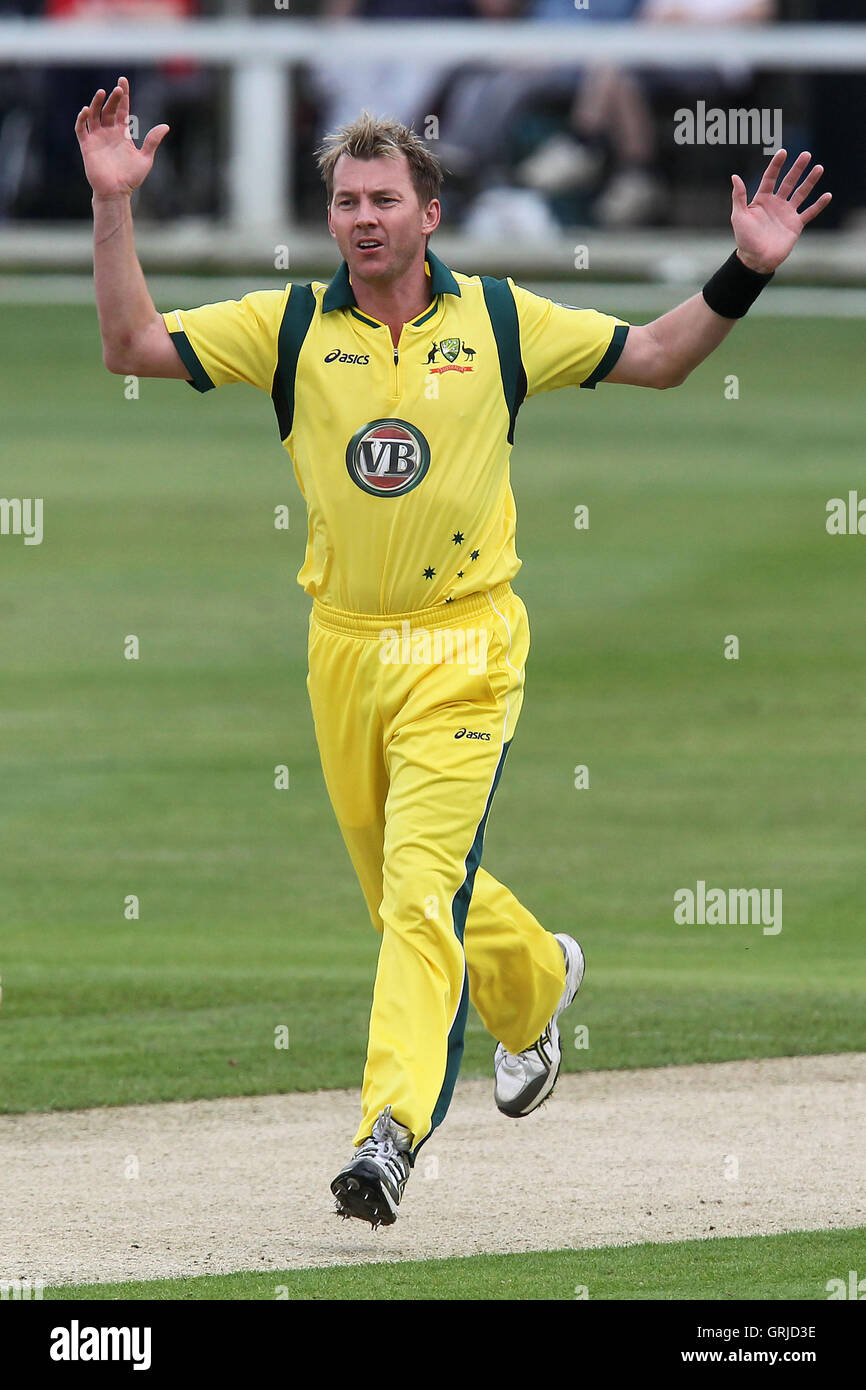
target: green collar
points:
(340, 295)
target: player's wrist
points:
(753, 262)
(733, 289)
(119, 196)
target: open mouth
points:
(368, 244)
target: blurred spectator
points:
(403, 89)
(178, 92)
(612, 119)
(480, 112)
(528, 147)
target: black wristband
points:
(734, 288)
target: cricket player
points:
(396, 388)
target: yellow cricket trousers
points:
(413, 716)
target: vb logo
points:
(387, 457)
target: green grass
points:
(155, 777)
(793, 1266)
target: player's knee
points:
(421, 916)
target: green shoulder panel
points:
(297, 317)
(506, 330)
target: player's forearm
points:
(686, 336)
(123, 302)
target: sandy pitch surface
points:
(151, 1191)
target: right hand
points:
(113, 164)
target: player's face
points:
(376, 218)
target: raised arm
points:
(663, 353)
(134, 337)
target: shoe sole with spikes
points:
(361, 1193)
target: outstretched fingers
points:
(771, 173)
(153, 139)
(794, 175)
(797, 192)
(123, 104)
(106, 111)
(88, 117)
(738, 193)
(94, 113)
(112, 106)
(791, 189)
(800, 194)
(818, 206)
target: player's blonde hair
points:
(369, 137)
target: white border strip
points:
(609, 295)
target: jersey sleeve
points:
(565, 346)
(235, 340)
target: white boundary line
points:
(183, 291)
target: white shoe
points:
(372, 1182)
(560, 165)
(525, 1079)
(632, 197)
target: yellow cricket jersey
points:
(401, 454)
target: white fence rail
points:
(290, 40)
(261, 56)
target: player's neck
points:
(395, 302)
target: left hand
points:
(767, 228)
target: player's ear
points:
(432, 216)
(330, 222)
